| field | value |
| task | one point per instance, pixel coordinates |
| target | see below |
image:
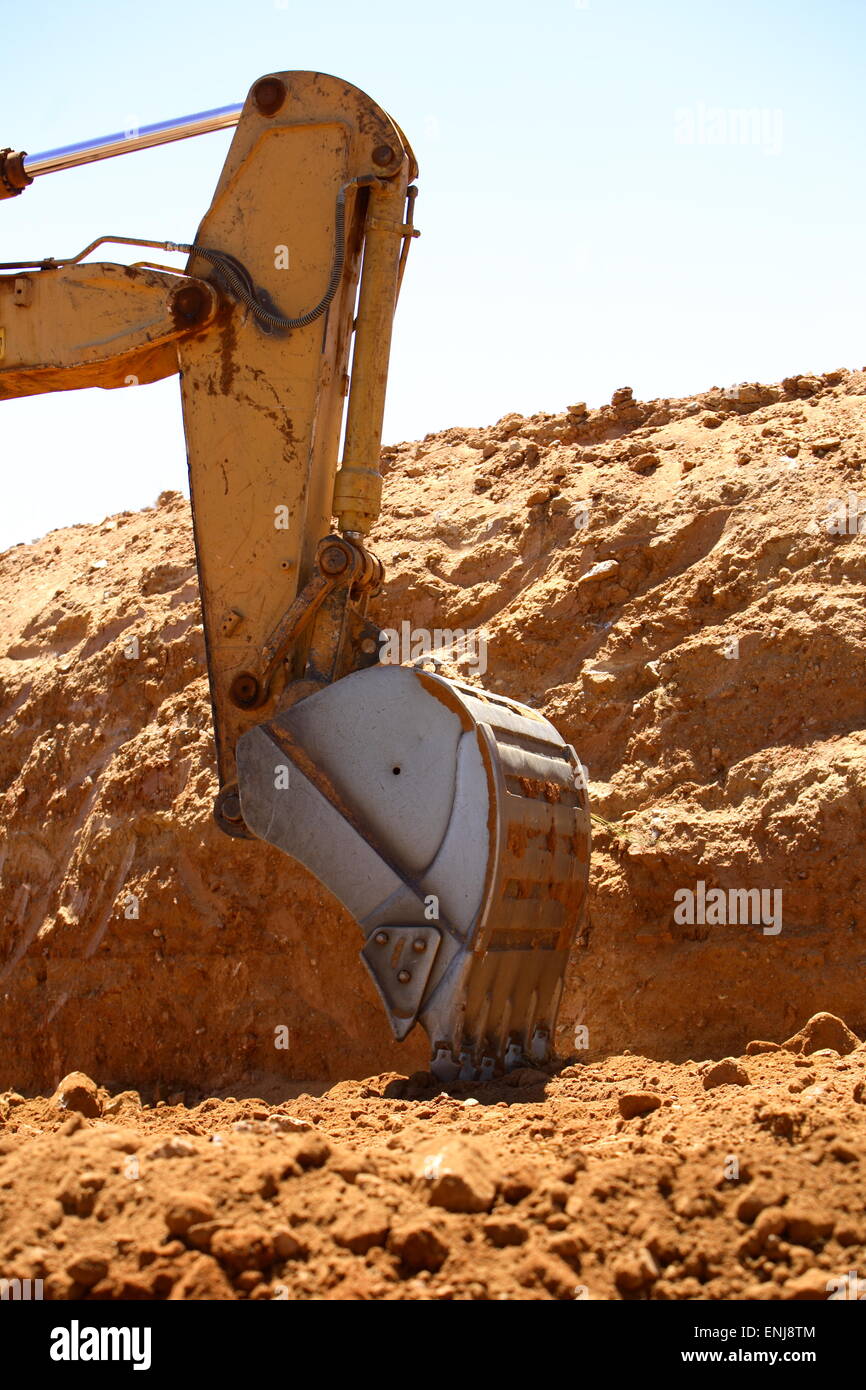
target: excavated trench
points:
(679, 586)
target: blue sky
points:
(666, 195)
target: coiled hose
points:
(237, 281)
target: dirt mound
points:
(390, 1189)
(678, 584)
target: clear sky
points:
(666, 195)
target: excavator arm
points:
(452, 823)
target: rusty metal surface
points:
(478, 809)
(358, 483)
(332, 606)
(96, 324)
(400, 961)
(263, 411)
(14, 178)
(262, 408)
(535, 891)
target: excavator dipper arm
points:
(452, 823)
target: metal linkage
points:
(18, 169)
(128, 141)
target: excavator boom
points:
(452, 823)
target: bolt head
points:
(404, 976)
(244, 689)
(333, 559)
(381, 938)
(269, 95)
(188, 304)
(419, 945)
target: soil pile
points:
(678, 584)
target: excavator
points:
(451, 822)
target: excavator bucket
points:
(453, 825)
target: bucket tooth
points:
(539, 1047)
(443, 1065)
(468, 1069)
(454, 825)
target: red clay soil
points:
(622, 1179)
(679, 586)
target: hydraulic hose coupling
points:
(13, 176)
(357, 498)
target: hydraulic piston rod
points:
(18, 170)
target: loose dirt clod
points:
(457, 1176)
(823, 1031)
(727, 1072)
(638, 1103)
(77, 1092)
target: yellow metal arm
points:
(95, 325)
(310, 203)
